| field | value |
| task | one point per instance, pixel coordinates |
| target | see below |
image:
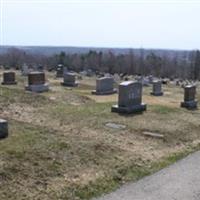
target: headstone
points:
(150, 79)
(39, 68)
(116, 78)
(9, 78)
(59, 71)
(104, 86)
(25, 70)
(3, 128)
(89, 72)
(36, 82)
(69, 80)
(157, 88)
(165, 81)
(143, 80)
(107, 75)
(189, 97)
(130, 98)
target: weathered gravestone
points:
(150, 78)
(189, 97)
(130, 98)
(69, 80)
(9, 78)
(104, 86)
(25, 70)
(157, 88)
(38, 68)
(36, 82)
(60, 71)
(143, 80)
(3, 128)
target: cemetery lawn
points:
(59, 146)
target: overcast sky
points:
(101, 23)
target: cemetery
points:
(67, 143)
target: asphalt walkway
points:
(180, 181)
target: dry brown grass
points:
(60, 148)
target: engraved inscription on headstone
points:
(129, 98)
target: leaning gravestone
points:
(36, 82)
(189, 97)
(9, 78)
(157, 88)
(104, 86)
(69, 80)
(3, 128)
(130, 98)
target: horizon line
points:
(101, 47)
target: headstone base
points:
(3, 128)
(189, 104)
(129, 110)
(104, 92)
(157, 94)
(69, 84)
(38, 88)
(9, 83)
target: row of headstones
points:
(129, 93)
(130, 90)
(130, 97)
(36, 80)
(36, 83)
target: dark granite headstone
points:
(130, 98)
(36, 82)
(157, 88)
(9, 78)
(36, 78)
(69, 80)
(3, 128)
(59, 71)
(104, 86)
(189, 97)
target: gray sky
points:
(101, 23)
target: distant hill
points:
(50, 50)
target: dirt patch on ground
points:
(59, 144)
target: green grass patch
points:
(160, 109)
(128, 173)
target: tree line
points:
(185, 65)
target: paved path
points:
(180, 181)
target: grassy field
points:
(59, 146)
